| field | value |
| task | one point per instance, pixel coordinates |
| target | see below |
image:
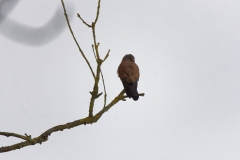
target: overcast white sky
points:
(188, 55)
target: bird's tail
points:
(135, 92)
(131, 90)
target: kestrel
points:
(128, 72)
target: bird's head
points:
(129, 57)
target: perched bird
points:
(128, 72)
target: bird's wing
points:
(128, 71)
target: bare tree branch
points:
(98, 9)
(105, 92)
(95, 41)
(94, 95)
(8, 134)
(94, 52)
(44, 136)
(83, 21)
(106, 55)
(99, 61)
(69, 26)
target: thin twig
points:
(95, 41)
(94, 52)
(69, 26)
(105, 91)
(83, 21)
(93, 29)
(98, 9)
(8, 134)
(106, 55)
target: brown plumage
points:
(128, 72)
